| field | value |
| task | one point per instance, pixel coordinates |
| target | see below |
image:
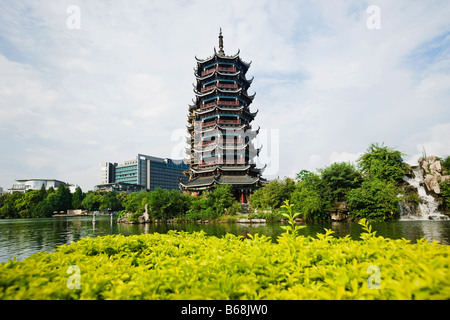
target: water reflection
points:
(21, 238)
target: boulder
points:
(436, 168)
(432, 183)
(424, 164)
(340, 211)
(125, 219)
(338, 216)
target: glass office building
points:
(147, 171)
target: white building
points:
(23, 185)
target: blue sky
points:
(326, 86)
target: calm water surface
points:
(23, 237)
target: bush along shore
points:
(181, 265)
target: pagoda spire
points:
(221, 52)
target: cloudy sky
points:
(83, 82)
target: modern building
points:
(107, 172)
(145, 171)
(220, 148)
(23, 185)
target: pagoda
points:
(220, 149)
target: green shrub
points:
(203, 214)
(445, 192)
(339, 178)
(376, 200)
(308, 201)
(181, 265)
(446, 165)
(383, 163)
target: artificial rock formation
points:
(433, 174)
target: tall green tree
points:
(446, 165)
(375, 200)
(91, 201)
(25, 203)
(65, 198)
(307, 200)
(383, 163)
(8, 209)
(42, 193)
(109, 201)
(221, 198)
(77, 198)
(339, 178)
(273, 194)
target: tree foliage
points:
(376, 200)
(213, 204)
(446, 165)
(338, 179)
(383, 163)
(273, 195)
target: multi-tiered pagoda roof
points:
(220, 142)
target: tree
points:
(42, 193)
(42, 210)
(26, 202)
(273, 194)
(221, 199)
(77, 198)
(122, 198)
(54, 201)
(340, 178)
(308, 201)
(8, 209)
(91, 201)
(383, 163)
(65, 198)
(109, 201)
(446, 165)
(375, 200)
(445, 192)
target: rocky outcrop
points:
(339, 212)
(131, 218)
(433, 174)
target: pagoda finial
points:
(221, 52)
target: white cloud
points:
(435, 141)
(345, 157)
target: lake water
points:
(23, 237)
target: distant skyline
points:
(84, 82)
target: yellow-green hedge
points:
(181, 265)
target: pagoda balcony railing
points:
(228, 103)
(226, 69)
(222, 69)
(220, 142)
(208, 124)
(208, 88)
(219, 103)
(237, 142)
(209, 71)
(220, 85)
(233, 122)
(208, 106)
(227, 86)
(215, 163)
(221, 121)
